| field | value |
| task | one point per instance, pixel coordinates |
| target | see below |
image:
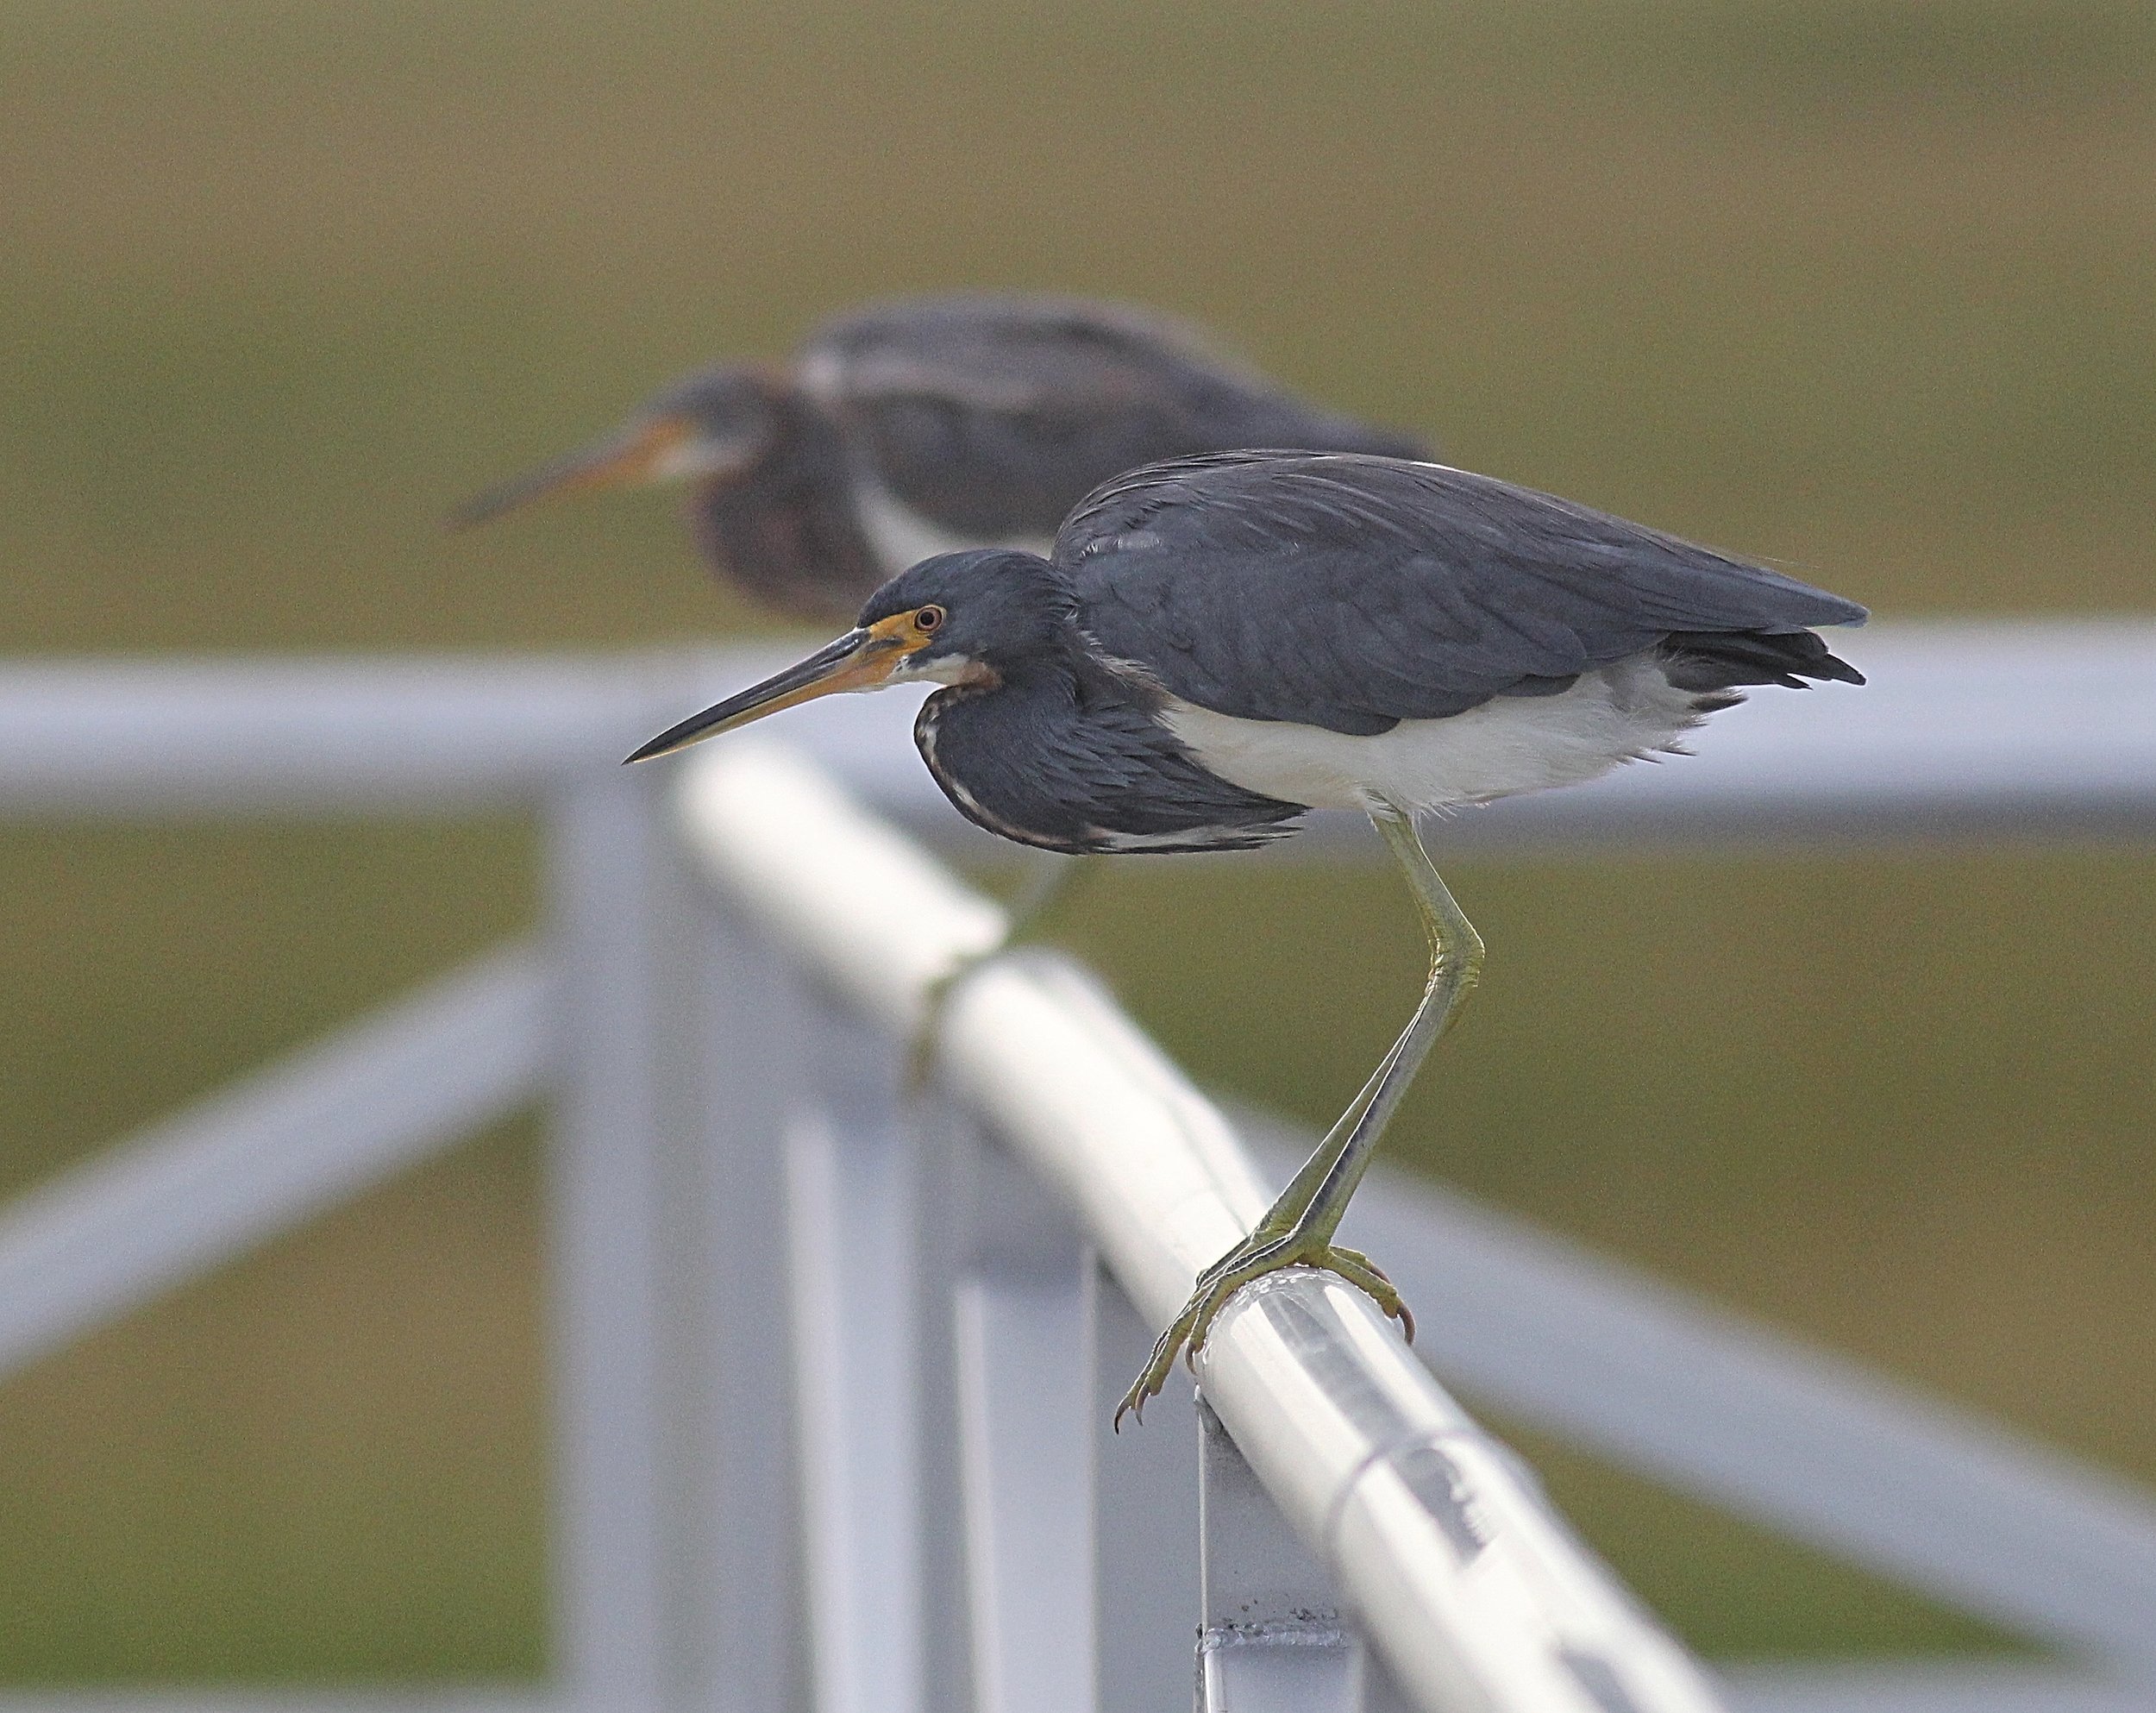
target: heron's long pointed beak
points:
(647, 451)
(859, 660)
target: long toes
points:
(1357, 1271)
(1194, 1339)
(1194, 1342)
(1358, 1258)
(1157, 1368)
(1262, 1251)
(1228, 1266)
(1202, 1313)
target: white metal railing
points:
(1475, 1595)
(869, 1435)
(1991, 729)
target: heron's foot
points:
(1261, 1253)
(1050, 888)
(920, 1062)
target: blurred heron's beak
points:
(859, 660)
(652, 449)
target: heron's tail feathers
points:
(1712, 663)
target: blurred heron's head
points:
(714, 425)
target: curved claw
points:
(1157, 1368)
(1359, 1270)
(1133, 1404)
(1260, 1253)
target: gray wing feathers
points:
(1352, 593)
(992, 416)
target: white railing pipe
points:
(1476, 1595)
(1998, 729)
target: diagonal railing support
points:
(271, 1151)
(1659, 1382)
(1801, 1440)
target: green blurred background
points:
(1858, 285)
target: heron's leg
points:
(1456, 963)
(1297, 1229)
(1052, 885)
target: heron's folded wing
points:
(1351, 592)
(991, 416)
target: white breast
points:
(1508, 745)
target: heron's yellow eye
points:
(928, 618)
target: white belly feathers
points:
(1508, 745)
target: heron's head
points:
(714, 425)
(972, 618)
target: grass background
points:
(1857, 284)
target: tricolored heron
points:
(1217, 645)
(926, 425)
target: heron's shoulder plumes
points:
(1353, 592)
(990, 416)
(1265, 502)
(953, 321)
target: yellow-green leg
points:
(1297, 1229)
(1047, 889)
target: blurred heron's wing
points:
(1351, 593)
(991, 416)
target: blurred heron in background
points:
(1216, 644)
(926, 425)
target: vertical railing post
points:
(609, 882)
(1146, 1586)
(1025, 1392)
(945, 1162)
(856, 1281)
(943, 1303)
(733, 1482)
(1274, 1640)
(673, 1536)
